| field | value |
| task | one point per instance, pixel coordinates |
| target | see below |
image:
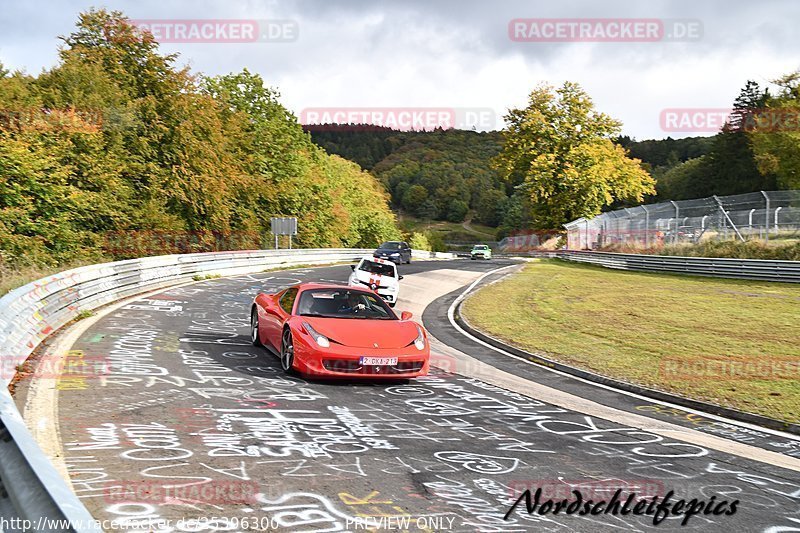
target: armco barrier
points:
(30, 486)
(752, 269)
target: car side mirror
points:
(399, 277)
(406, 315)
(353, 268)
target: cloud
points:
(458, 53)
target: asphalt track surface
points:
(195, 425)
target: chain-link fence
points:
(759, 215)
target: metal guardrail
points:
(30, 486)
(752, 269)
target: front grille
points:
(367, 284)
(353, 367)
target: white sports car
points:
(379, 275)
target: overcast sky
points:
(457, 53)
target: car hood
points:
(386, 251)
(365, 333)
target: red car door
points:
(276, 312)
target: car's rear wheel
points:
(287, 350)
(254, 327)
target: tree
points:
(730, 166)
(418, 241)
(428, 210)
(457, 211)
(414, 198)
(489, 209)
(776, 138)
(679, 182)
(558, 151)
(116, 139)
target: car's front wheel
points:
(287, 350)
(254, 327)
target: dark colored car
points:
(396, 251)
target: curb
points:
(727, 412)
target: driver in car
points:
(352, 304)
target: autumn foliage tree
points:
(559, 156)
(117, 139)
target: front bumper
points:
(343, 361)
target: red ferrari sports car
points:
(338, 331)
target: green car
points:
(480, 251)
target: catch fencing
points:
(773, 215)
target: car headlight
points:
(419, 342)
(320, 339)
(395, 253)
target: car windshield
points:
(343, 303)
(481, 247)
(391, 246)
(376, 268)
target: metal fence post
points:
(766, 217)
(777, 210)
(646, 227)
(586, 226)
(727, 217)
(677, 214)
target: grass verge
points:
(774, 250)
(448, 231)
(729, 342)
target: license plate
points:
(378, 361)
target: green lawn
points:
(734, 343)
(449, 231)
